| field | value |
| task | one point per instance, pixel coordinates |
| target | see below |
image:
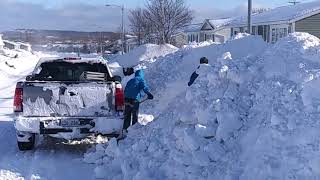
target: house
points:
(131, 42)
(188, 34)
(25, 46)
(1, 42)
(215, 30)
(279, 22)
(11, 45)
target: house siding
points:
(225, 35)
(310, 25)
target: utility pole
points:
(294, 2)
(249, 16)
(123, 33)
(123, 36)
(101, 41)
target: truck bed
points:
(67, 99)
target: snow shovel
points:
(144, 100)
(123, 136)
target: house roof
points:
(193, 27)
(24, 44)
(219, 23)
(284, 14)
(12, 43)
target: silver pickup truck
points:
(68, 98)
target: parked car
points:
(66, 98)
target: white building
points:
(1, 42)
(25, 46)
(11, 45)
(215, 30)
(279, 22)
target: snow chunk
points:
(240, 36)
(8, 175)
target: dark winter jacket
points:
(193, 77)
(135, 87)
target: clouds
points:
(86, 15)
(212, 13)
(71, 16)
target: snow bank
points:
(292, 56)
(239, 120)
(240, 35)
(145, 52)
(200, 44)
(6, 174)
(184, 139)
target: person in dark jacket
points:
(133, 95)
(195, 75)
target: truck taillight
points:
(17, 101)
(119, 98)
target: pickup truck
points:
(68, 98)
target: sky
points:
(93, 15)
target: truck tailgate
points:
(50, 99)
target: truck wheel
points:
(25, 146)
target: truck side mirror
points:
(29, 77)
(117, 78)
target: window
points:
(283, 32)
(290, 29)
(260, 30)
(241, 30)
(208, 37)
(253, 30)
(273, 35)
(65, 71)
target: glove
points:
(150, 96)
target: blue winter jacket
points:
(135, 87)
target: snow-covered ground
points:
(251, 114)
(51, 159)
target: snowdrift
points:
(147, 52)
(251, 114)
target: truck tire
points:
(26, 146)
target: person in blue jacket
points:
(195, 75)
(133, 95)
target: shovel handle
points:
(144, 100)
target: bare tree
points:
(138, 23)
(166, 17)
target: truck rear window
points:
(65, 71)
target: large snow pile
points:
(147, 52)
(242, 118)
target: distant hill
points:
(36, 37)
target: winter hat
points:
(204, 60)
